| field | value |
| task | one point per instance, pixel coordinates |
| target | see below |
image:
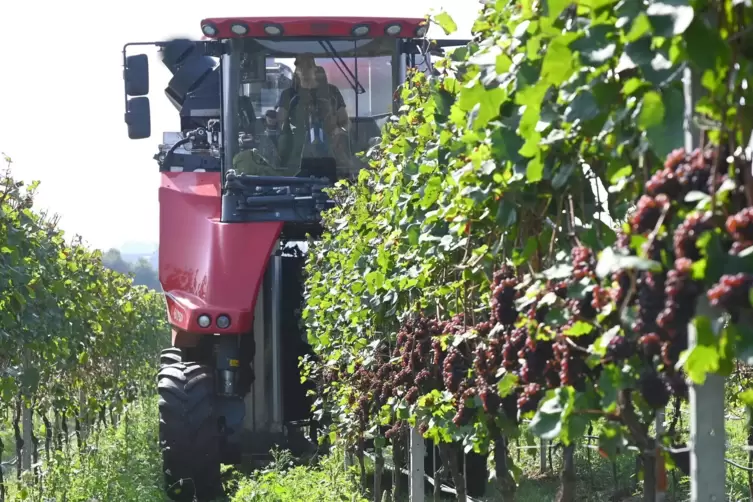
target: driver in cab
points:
(311, 90)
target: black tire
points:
(188, 431)
(170, 356)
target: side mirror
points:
(136, 75)
(138, 117)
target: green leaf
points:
(483, 102)
(506, 213)
(534, 170)
(547, 423)
(553, 8)
(668, 135)
(583, 107)
(699, 361)
(704, 357)
(562, 175)
(579, 328)
(445, 21)
(558, 62)
(507, 384)
(705, 47)
(610, 383)
(652, 110)
(747, 397)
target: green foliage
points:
(67, 322)
(284, 482)
(537, 138)
(121, 463)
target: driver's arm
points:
(341, 112)
(282, 109)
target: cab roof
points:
(313, 26)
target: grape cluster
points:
(684, 173)
(504, 293)
(732, 293)
(687, 234)
(648, 211)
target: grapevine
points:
(67, 323)
(512, 291)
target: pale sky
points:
(62, 104)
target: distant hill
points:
(132, 252)
(140, 260)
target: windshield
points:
(308, 107)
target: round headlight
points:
(223, 321)
(393, 29)
(239, 29)
(273, 30)
(421, 31)
(209, 30)
(204, 320)
(360, 30)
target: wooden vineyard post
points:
(707, 434)
(542, 456)
(661, 467)
(417, 452)
(27, 424)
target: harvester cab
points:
(271, 112)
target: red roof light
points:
(313, 27)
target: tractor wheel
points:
(188, 431)
(170, 356)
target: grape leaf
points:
(445, 21)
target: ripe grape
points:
(653, 389)
(619, 348)
(503, 302)
(687, 234)
(647, 213)
(732, 292)
(650, 345)
(394, 430)
(674, 158)
(412, 395)
(583, 262)
(664, 182)
(529, 400)
(740, 225)
(651, 299)
(681, 292)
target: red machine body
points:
(206, 266)
(214, 268)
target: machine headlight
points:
(273, 30)
(239, 29)
(204, 320)
(360, 30)
(393, 29)
(223, 321)
(209, 30)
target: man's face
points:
(305, 68)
